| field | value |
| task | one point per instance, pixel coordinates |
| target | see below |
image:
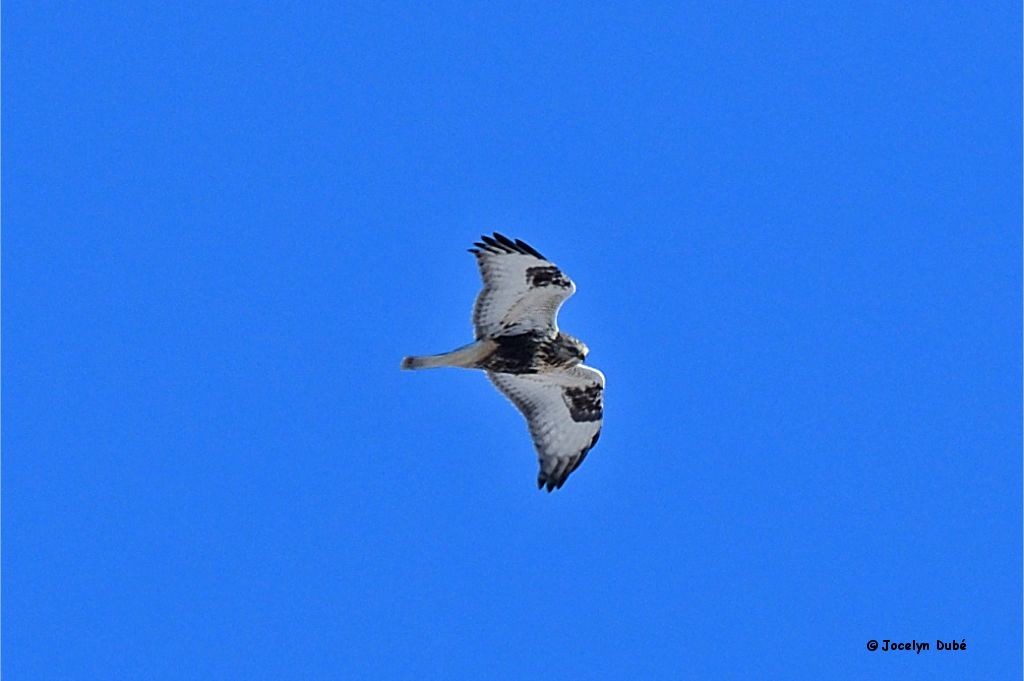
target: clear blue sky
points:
(796, 234)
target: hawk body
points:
(531, 352)
(536, 366)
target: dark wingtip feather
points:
(499, 243)
(544, 480)
(579, 460)
(505, 241)
(527, 248)
(556, 478)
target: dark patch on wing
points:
(584, 403)
(548, 275)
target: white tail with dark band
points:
(467, 357)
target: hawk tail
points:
(468, 357)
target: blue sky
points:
(796, 234)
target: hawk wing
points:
(522, 290)
(564, 410)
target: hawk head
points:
(570, 350)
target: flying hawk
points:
(536, 366)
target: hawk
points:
(536, 366)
